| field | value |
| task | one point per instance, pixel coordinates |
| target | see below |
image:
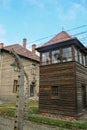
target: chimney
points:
(24, 42)
(1, 45)
(33, 48)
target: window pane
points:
(15, 86)
(76, 54)
(56, 56)
(0, 57)
(33, 66)
(67, 55)
(32, 87)
(55, 90)
(84, 60)
(46, 58)
(80, 57)
(33, 70)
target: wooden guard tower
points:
(63, 76)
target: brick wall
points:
(8, 74)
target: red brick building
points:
(9, 75)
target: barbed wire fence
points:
(4, 125)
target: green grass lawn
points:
(8, 109)
(59, 123)
(7, 104)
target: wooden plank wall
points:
(62, 75)
(81, 79)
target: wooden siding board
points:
(62, 75)
(81, 79)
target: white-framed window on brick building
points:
(33, 66)
(0, 58)
(33, 69)
(15, 86)
(32, 87)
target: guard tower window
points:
(84, 60)
(67, 54)
(80, 57)
(56, 56)
(76, 54)
(45, 58)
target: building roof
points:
(60, 37)
(22, 51)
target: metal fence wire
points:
(8, 122)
